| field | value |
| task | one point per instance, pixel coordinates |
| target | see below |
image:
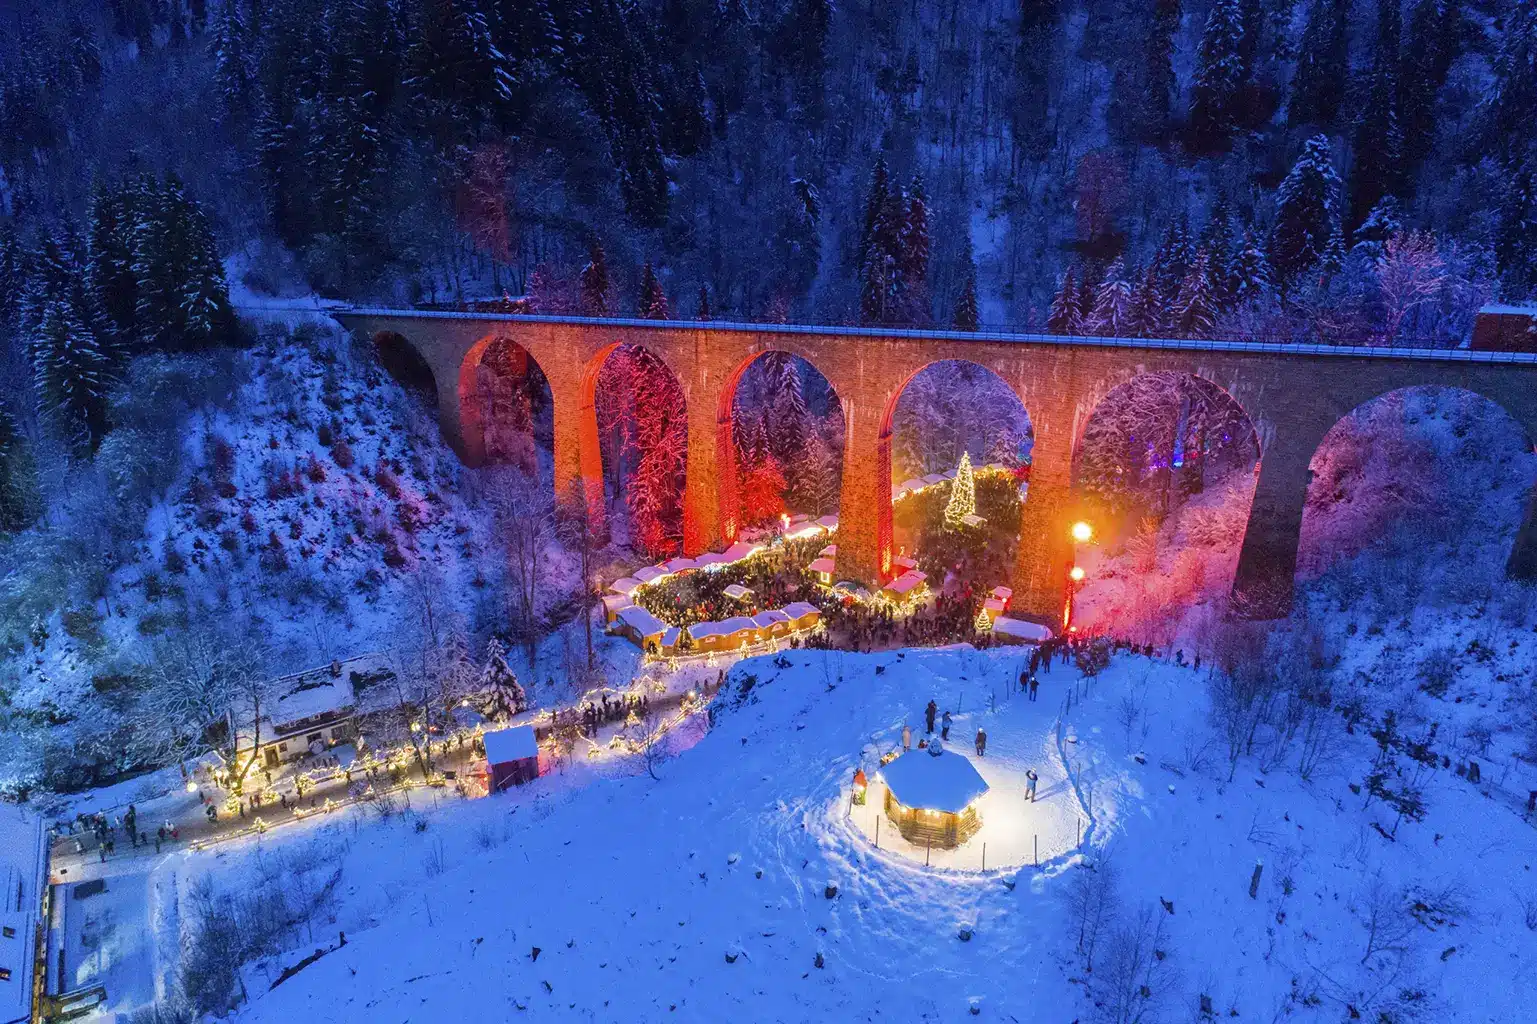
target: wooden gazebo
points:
(931, 797)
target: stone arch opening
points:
(506, 408)
(636, 455)
(1425, 488)
(400, 359)
(1165, 472)
(781, 436)
(948, 408)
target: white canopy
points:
(1020, 629)
(946, 782)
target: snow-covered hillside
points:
(313, 513)
(738, 888)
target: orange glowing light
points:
(1082, 531)
(1076, 573)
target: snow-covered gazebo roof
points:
(512, 744)
(947, 782)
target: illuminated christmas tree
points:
(963, 494)
(983, 624)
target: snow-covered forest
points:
(1339, 168)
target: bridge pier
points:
(1267, 562)
(1523, 556)
(864, 507)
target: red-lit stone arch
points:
(1202, 565)
(1363, 444)
(726, 466)
(472, 412)
(589, 440)
(883, 482)
(400, 359)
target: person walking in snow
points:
(929, 713)
(981, 742)
(907, 739)
(944, 730)
(1035, 685)
(1030, 780)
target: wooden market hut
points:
(803, 615)
(512, 756)
(772, 623)
(643, 629)
(931, 796)
(823, 568)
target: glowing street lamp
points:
(1076, 574)
(1082, 532)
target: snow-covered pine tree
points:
(1515, 244)
(1323, 66)
(1436, 34)
(1307, 205)
(1145, 308)
(1196, 309)
(1377, 169)
(235, 65)
(1112, 302)
(652, 304)
(702, 307)
(13, 279)
(798, 242)
(181, 299)
(1066, 314)
(876, 201)
(1513, 100)
(110, 267)
(966, 316)
(963, 493)
(1221, 74)
(70, 375)
(594, 281)
(15, 486)
(1249, 269)
(501, 696)
(913, 258)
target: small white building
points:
(24, 889)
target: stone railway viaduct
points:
(1293, 394)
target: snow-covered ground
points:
(600, 894)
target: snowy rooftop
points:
(737, 592)
(915, 484)
(772, 617)
(713, 558)
(679, 564)
(800, 609)
(905, 562)
(313, 700)
(642, 621)
(740, 550)
(994, 605)
(906, 582)
(650, 573)
(1003, 593)
(828, 523)
(726, 627)
(831, 551)
(616, 602)
(22, 867)
(946, 782)
(625, 586)
(512, 744)
(824, 565)
(1021, 629)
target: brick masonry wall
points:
(1293, 397)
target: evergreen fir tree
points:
(111, 264)
(1514, 98)
(1144, 309)
(1378, 144)
(653, 301)
(594, 281)
(1112, 303)
(70, 375)
(501, 696)
(1323, 59)
(798, 241)
(1066, 313)
(1515, 243)
(181, 297)
(1249, 270)
(1196, 309)
(1035, 57)
(1306, 211)
(13, 278)
(1221, 77)
(963, 494)
(15, 502)
(702, 310)
(876, 202)
(457, 74)
(966, 316)
(235, 66)
(913, 256)
(1435, 41)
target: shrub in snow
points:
(341, 454)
